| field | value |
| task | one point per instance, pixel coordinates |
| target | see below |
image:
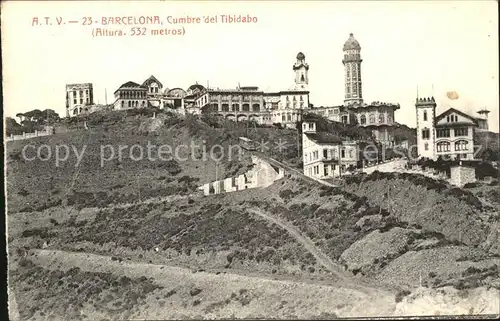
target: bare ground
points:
(224, 295)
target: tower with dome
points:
(352, 72)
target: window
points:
(443, 147)
(445, 132)
(325, 153)
(342, 153)
(363, 119)
(81, 100)
(371, 118)
(351, 153)
(315, 155)
(74, 101)
(381, 118)
(461, 131)
(425, 115)
(74, 93)
(426, 146)
(325, 171)
(425, 134)
(461, 145)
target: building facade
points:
(250, 103)
(326, 155)
(377, 116)
(449, 135)
(78, 98)
(482, 120)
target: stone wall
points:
(461, 175)
(261, 175)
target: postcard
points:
(169, 160)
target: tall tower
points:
(301, 69)
(426, 131)
(352, 71)
(484, 114)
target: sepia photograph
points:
(205, 160)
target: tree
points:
(12, 127)
(20, 116)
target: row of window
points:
(131, 94)
(461, 145)
(236, 107)
(75, 101)
(81, 93)
(133, 103)
(328, 154)
(295, 104)
(445, 132)
(294, 98)
(371, 118)
(449, 118)
(314, 171)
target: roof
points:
(196, 86)
(151, 79)
(456, 111)
(324, 138)
(351, 43)
(130, 85)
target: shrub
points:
(195, 292)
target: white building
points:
(449, 135)
(78, 97)
(325, 155)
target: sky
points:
(435, 46)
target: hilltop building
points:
(250, 103)
(377, 116)
(79, 97)
(242, 103)
(482, 120)
(449, 135)
(326, 155)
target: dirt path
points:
(265, 298)
(321, 257)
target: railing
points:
(29, 135)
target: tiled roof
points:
(324, 138)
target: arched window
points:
(236, 107)
(425, 115)
(371, 118)
(246, 107)
(443, 147)
(256, 107)
(362, 120)
(302, 78)
(225, 107)
(461, 145)
(381, 118)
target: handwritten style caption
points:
(142, 25)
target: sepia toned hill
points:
(133, 238)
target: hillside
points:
(87, 228)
